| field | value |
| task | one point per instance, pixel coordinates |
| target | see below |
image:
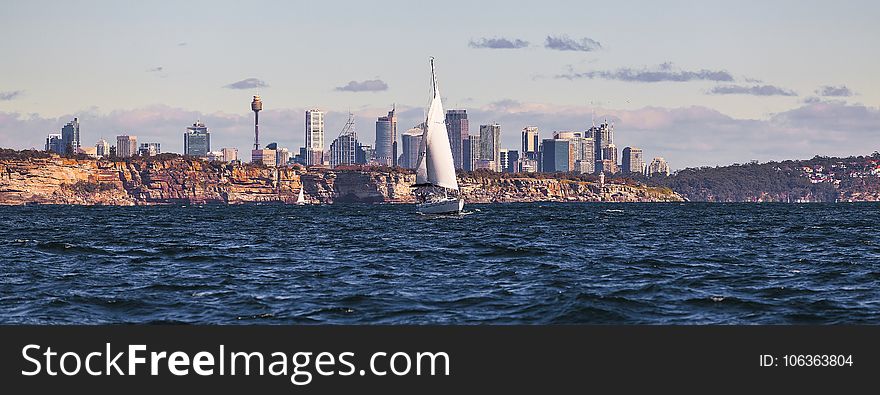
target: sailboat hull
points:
(443, 206)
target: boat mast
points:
(433, 77)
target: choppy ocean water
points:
(538, 263)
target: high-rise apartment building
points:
(490, 144)
(457, 128)
(197, 140)
(314, 141)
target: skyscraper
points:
(126, 146)
(633, 161)
(471, 152)
(364, 154)
(386, 139)
(70, 137)
(457, 129)
(196, 140)
(512, 160)
(603, 135)
(314, 137)
(555, 155)
(530, 143)
(581, 150)
(55, 143)
(610, 153)
(343, 150)
(410, 142)
(490, 144)
(606, 166)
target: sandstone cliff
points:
(175, 180)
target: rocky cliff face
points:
(55, 180)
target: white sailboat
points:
(436, 187)
(301, 199)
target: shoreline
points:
(51, 179)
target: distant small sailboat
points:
(301, 199)
(436, 186)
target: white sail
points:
(421, 167)
(302, 196)
(438, 157)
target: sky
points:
(700, 83)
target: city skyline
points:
(671, 91)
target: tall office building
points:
(512, 160)
(658, 166)
(490, 144)
(126, 146)
(603, 136)
(197, 140)
(150, 149)
(265, 156)
(343, 150)
(471, 152)
(410, 142)
(581, 150)
(70, 137)
(102, 148)
(314, 137)
(633, 161)
(457, 129)
(55, 143)
(386, 139)
(530, 142)
(587, 155)
(610, 153)
(555, 155)
(364, 154)
(606, 166)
